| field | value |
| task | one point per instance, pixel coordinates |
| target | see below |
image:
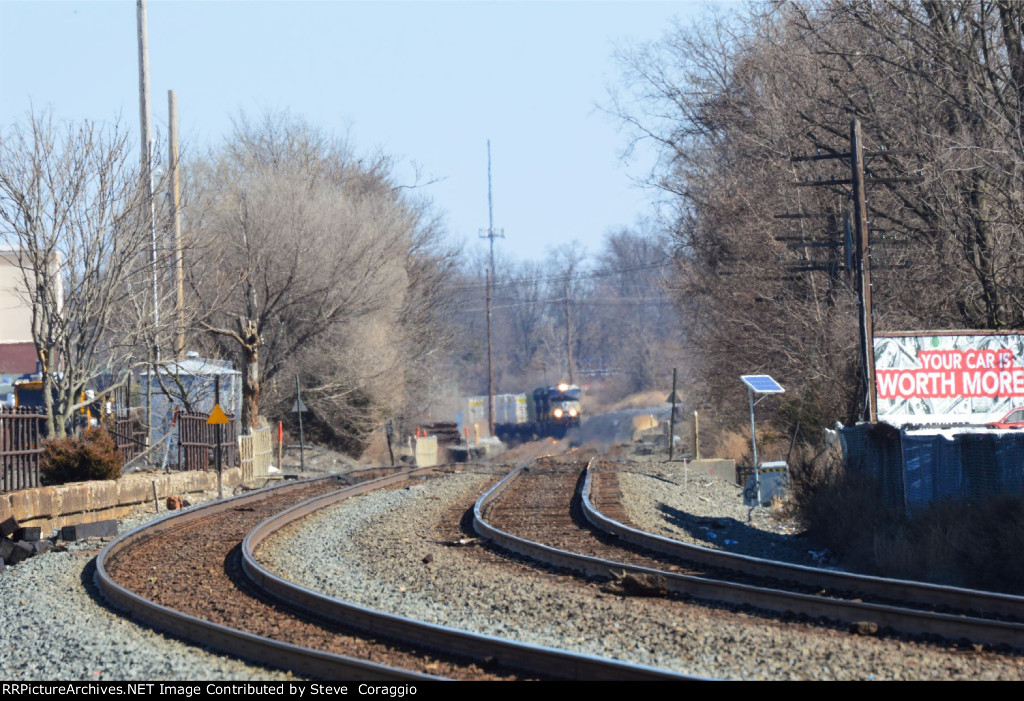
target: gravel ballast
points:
(671, 500)
(385, 551)
(57, 628)
(371, 550)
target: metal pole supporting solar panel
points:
(758, 384)
(753, 439)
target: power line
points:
(606, 302)
(476, 287)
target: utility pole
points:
(147, 179)
(490, 233)
(862, 256)
(568, 334)
(152, 258)
(860, 234)
(174, 199)
(143, 88)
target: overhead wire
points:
(478, 287)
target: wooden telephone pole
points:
(174, 198)
(860, 235)
(862, 255)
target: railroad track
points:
(600, 502)
(194, 575)
(539, 660)
(537, 512)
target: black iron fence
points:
(21, 447)
(197, 442)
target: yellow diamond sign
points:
(217, 416)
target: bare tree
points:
(758, 261)
(69, 207)
(637, 333)
(314, 260)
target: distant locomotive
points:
(547, 411)
(557, 409)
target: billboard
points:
(960, 377)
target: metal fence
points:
(257, 453)
(21, 447)
(130, 442)
(919, 468)
(197, 442)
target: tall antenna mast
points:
(490, 233)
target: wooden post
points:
(860, 223)
(672, 419)
(175, 207)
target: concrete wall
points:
(84, 502)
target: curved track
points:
(182, 574)
(536, 512)
(193, 574)
(533, 659)
(600, 503)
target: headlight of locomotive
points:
(558, 413)
(573, 412)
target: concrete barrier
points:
(426, 451)
(85, 502)
(720, 468)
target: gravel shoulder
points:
(57, 627)
(386, 551)
(671, 500)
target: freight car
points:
(546, 411)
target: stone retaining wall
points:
(51, 508)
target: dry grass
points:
(599, 399)
(974, 544)
(734, 446)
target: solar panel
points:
(762, 384)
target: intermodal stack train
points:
(546, 411)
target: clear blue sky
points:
(428, 82)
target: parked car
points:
(1015, 419)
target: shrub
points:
(968, 543)
(90, 456)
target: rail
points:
(981, 602)
(484, 648)
(314, 663)
(778, 601)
